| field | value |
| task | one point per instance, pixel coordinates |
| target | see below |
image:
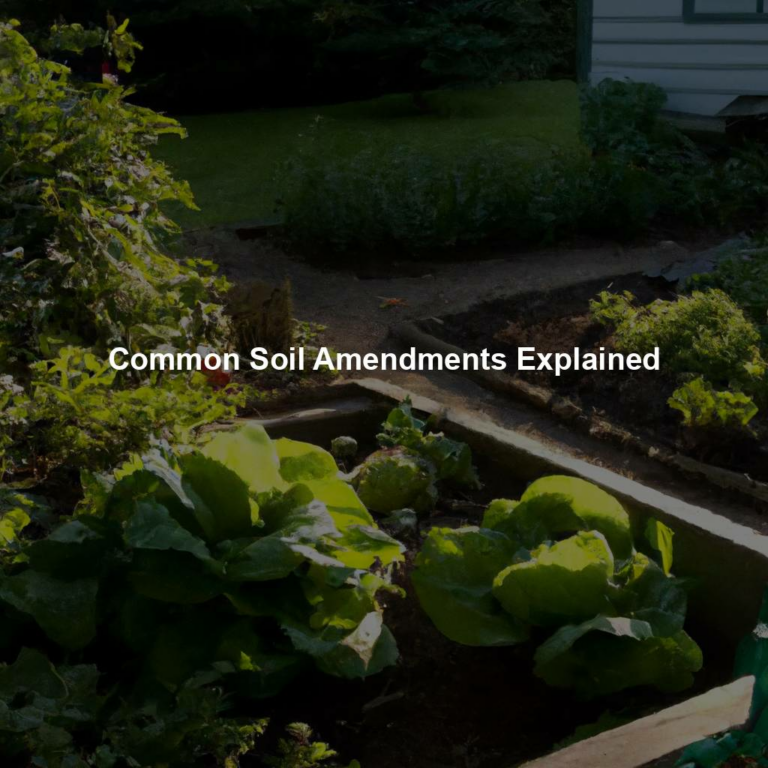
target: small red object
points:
(217, 377)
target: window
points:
(725, 11)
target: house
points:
(710, 56)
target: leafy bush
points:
(622, 117)
(464, 41)
(744, 277)
(76, 416)
(704, 407)
(401, 196)
(84, 268)
(81, 219)
(704, 333)
(563, 559)
(184, 581)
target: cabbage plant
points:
(561, 563)
(233, 568)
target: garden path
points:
(350, 305)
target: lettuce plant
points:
(395, 479)
(561, 563)
(233, 568)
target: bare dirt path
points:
(351, 309)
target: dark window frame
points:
(692, 16)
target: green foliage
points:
(298, 750)
(563, 559)
(401, 197)
(414, 460)
(254, 548)
(344, 447)
(116, 41)
(84, 267)
(395, 479)
(744, 277)
(452, 459)
(741, 747)
(75, 415)
(459, 42)
(620, 116)
(705, 333)
(81, 219)
(704, 407)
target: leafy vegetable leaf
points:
(605, 655)
(569, 504)
(454, 582)
(65, 611)
(568, 581)
(660, 538)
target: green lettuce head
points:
(395, 479)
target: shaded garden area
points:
(222, 569)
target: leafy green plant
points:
(81, 219)
(744, 277)
(254, 548)
(562, 560)
(462, 41)
(382, 196)
(704, 407)
(75, 415)
(705, 333)
(744, 746)
(451, 459)
(298, 750)
(413, 462)
(622, 117)
(85, 267)
(393, 479)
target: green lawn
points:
(233, 160)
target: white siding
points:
(703, 67)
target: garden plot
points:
(631, 408)
(447, 704)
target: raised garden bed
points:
(627, 407)
(449, 705)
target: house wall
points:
(703, 67)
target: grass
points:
(233, 160)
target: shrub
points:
(75, 416)
(81, 219)
(184, 582)
(562, 560)
(379, 196)
(621, 117)
(82, 232)
(465, 41)
(704, 333)
(744, 277)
